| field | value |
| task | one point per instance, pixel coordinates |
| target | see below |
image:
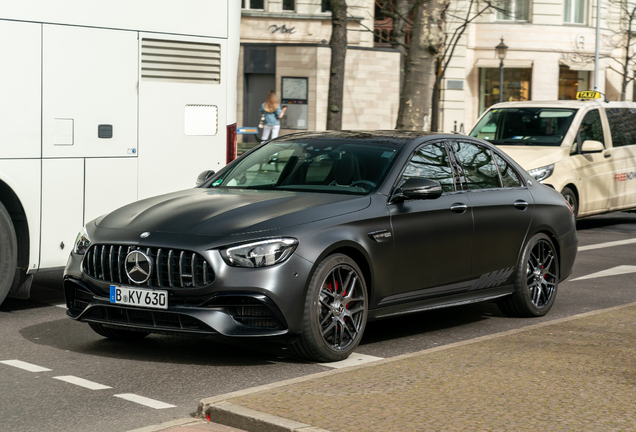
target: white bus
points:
(102, 104)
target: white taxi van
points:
(586, 149)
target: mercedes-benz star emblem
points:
(144, 234)
(138, 267)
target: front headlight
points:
(260, 254)
(82, 242)
(542, 173)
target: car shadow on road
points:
(612, 220)
(69, 335)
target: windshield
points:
(314, 166)
(525, 126)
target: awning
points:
(578, 66)
(494, 63)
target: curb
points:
(173, 423)
(217, 408)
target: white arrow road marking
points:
(606, 245)
(144, 401)
(624, 269)
(24, 365)
(81, 382)
(353, 360)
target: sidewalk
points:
(573, 374)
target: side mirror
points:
(590, 146)
(419, 188)
(204, 176)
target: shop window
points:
(513, 10)
(574, 11)
(289, 5)
(253, 4)
(516, 86)
(571, 82)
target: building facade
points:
(284, 47)
(550, 56)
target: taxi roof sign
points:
(588, 95)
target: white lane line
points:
(26, 366)
(606, 245)
(353, 360)
(144, 401)
(81, 382)
(624, 269)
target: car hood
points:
(530, 157)
(220, 212)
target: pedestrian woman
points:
(273, 113)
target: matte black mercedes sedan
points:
(306, 238)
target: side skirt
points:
(442, 302)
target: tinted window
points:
(509, 176)
(431, 162)
(479, 169)
(525, 126)
(622, 123)
(591, 129)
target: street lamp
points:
(501, 49)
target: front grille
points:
(172, 268)
(146, 318)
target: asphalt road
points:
(131, 385)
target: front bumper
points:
(240, 302)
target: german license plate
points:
(157, 299)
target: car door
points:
(501, 208)
(432, 237)
(595, 171)
(623, 154)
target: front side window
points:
(312, 166)
(478, 168)
(574, 11)
(525, 126)
(591, 129)
(513, 10)
(253, 4)
(431, 162)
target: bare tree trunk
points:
(426, 40)
(338, 45)
(398, 36)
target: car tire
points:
(117, 334)
(335, 313)
(570, 197)
(8, 252)
(536, 280)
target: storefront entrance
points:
(516, 86)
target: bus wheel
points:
(8, 252)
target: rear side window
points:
(479, 170)
(431, 162)
(509, 176)
(622, 123)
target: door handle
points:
(521, 204)
(607, 155)
(459, 208)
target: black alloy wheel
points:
(8, 252)
(570, 198)
(335, 311)
(536, 281)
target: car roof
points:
(573, 104)
(400, 137)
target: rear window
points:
(525, 126)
